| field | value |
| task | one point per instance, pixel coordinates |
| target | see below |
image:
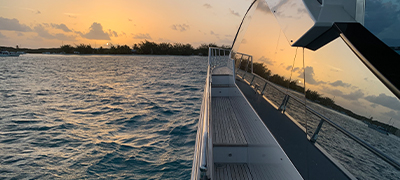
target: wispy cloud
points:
(141, 36)
(352, 96)
(214, 34)
(71, 15)
(208, 6)
(44, 33)
(32, 10)
(340, 83)
(180, 27)
(112, 33)
(266, 60)
(234, 13)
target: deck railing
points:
(217, 57)
(260, 85)
(200, 152)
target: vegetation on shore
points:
(144, 47)
(261, 70)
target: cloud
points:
(334, 69)
(353, 96)
(234, 13)
(13, 25)
(141, 36)
(32, 10)
(214, 34)
(112, 33)
(42, 32)
(180, 27)
(96, 32)
(310, 76)
(71, 15)
(2, 36)
(339, 83)
(61, 26)
(385, 100)
(20, 34)
(267, 61)
(208, 6)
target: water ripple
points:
(99, 117)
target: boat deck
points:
(243, 148)
(247, 172)
(307, 158)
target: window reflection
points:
(337, 85)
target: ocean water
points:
(132, 117)
(99, 117)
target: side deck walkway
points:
(242, 146)
(308, 160)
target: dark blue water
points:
(107, 117)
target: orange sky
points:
(45, 23)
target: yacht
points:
(267, 110)
(8, 54)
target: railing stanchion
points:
(282, 107)
(265, 85)
(251, 57)
(252, 80)
(315, 135)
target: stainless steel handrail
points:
(200, 151)
(202, 146)
(372, 149)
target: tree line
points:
(261, 70)
(144, 47)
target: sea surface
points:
(133, 117)
(99, 117)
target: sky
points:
(47, 23)
(333, 71)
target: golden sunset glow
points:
(43, 23)
(333, 70)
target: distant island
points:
(144, 47)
